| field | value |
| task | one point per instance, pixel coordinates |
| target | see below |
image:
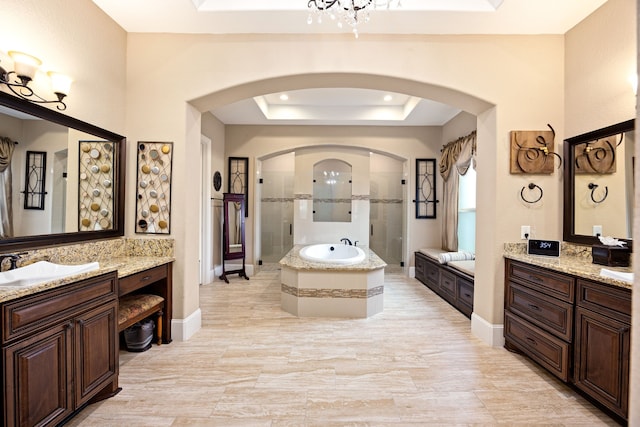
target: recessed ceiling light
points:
(388, 98)
(284, 97)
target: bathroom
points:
(529, 82)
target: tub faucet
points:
(346, 241)
(13, 260)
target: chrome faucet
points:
(346, 241)
(13, 260)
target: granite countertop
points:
(576, 266)
(293, 260)
(125, 266)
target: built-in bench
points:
(452, 280)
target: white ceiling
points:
(341, 106)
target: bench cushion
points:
(432, 253)
(466, 266)
(131, 306)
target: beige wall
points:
(78, 39)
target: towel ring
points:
(592, 187)
(531, 186)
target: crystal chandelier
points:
(351, 12)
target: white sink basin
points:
(42, 271)
(619, 275)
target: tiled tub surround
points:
(311, 289)
(127, 256)
(574, 259)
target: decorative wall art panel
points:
(34, 180)
(426, 188)
(153, 187)
(95, 189)
(532, 152)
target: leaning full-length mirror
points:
(598, 184)
(72, 192)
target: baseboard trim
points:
(487, 332)
(183, 329)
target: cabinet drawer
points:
(37, 311)
(432, 273)
(139, 280)
(465, 296)
(549, 351)
(545, 281)
(549, 313)
(610, 300)
(448, 284)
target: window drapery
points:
(7, 147)
(457, 157)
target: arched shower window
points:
(332, 191)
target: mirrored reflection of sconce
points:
(592, 187)
(531, 187)
(25, 67)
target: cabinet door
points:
(602, 359)
(38, 378)
(96, 351)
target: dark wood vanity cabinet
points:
(59, 351)
(577, 329)
(603, 331)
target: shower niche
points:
(332, 191)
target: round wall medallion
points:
(217, 181)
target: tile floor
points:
(415, 364)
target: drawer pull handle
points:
(467, 295)
(532, 341)
(145, 278)
(536, 278)
(534, 307)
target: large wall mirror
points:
(598, 184)
(84, 178)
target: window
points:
(467, 211)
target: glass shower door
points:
(386, 207)
(276, 220)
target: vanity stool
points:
(137, 307)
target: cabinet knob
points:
(532, 341)
(69, 325)
(534, 307)
(623, 330)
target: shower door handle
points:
(290, 229)
(371, 227)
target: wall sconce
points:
(25, 67)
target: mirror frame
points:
(38, 241)
(568, 226)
